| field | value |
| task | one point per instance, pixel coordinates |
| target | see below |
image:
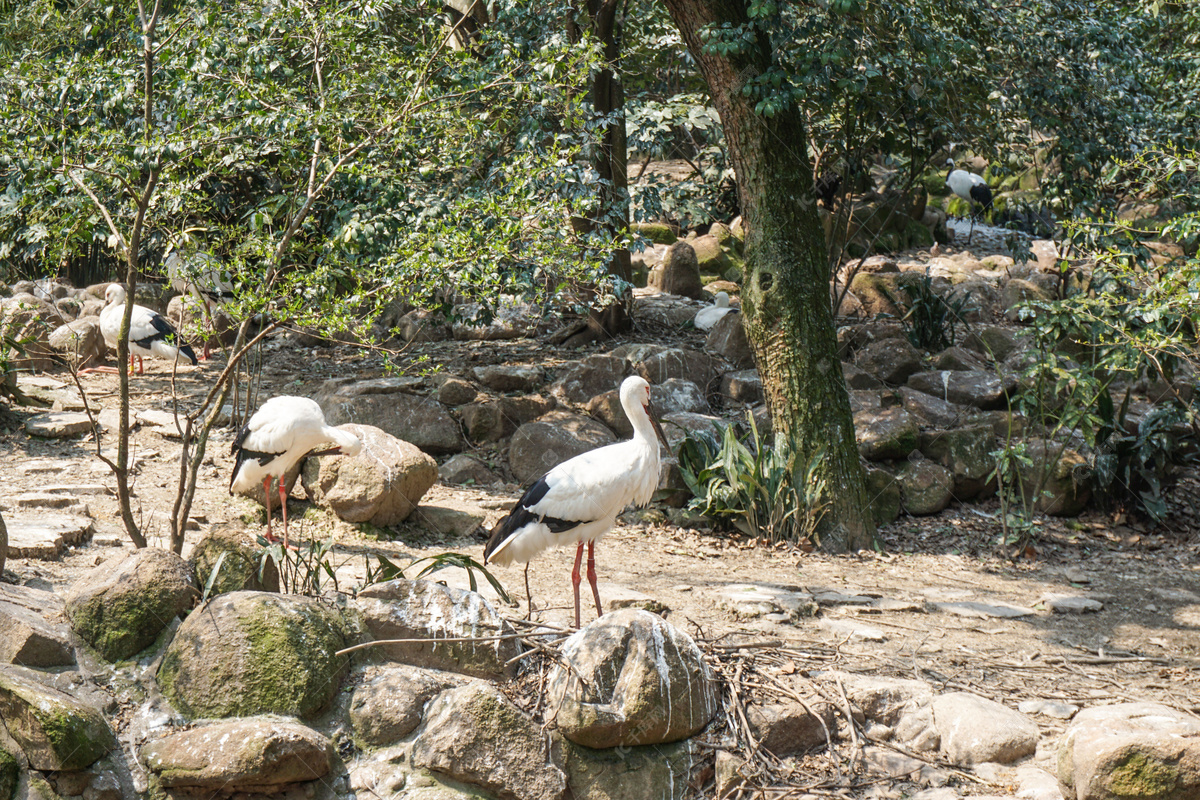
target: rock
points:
(883, 292)
(1131, 751)
(890, 433)
(389, 702)
(552, 439)
(385, 404)
(653, 772)
(44, 535)
(58, 424)
(860, 379)
(671, 396)
(403, 609)
(453, 523)
(465, 469)
(975, 729)
(421, 325)
(679, 272)
(455, 391)
(926, 487)
(515, 378)
(930, 410)
(957, 358)
(253, 754)
(240, 566)
(588, 378)
(46, 391)
(1055, 482)
(711, 258)
(678, 425)
(902, 705)
(26, 319)
(890, 360)
(728, 340)
(1048, 708)
(1070, 604)
(677, 363)
(646, 683)
(248, 653)
(54, 730)
(381, 485)
(788, 729)
(967, 453)
(27, 638)
(475, 735)
(745, 386)
(751, 600)
(120, 608)
(884, 495)
(992, 341)
(81, 341)
(1017, 293)
(977, 388)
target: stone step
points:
(44, 536)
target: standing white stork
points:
(579, 500)
(283, 431)
(149, 333)
(711, 315)
(969, 187)
(202, 276)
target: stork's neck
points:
(343, 439)
(643, 428)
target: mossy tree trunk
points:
(785, 292)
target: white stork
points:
(969, 187)
(711, 315)
(283, 431)
(149, 333)
(579, 500)
(203, 277)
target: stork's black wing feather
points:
(981, 193)
(520, 516)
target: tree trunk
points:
(785, 292)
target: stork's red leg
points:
(575, 580)
(283, 508)
(591, 573)
(267, 495)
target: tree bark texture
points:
(785, 291)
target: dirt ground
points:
(903, 611)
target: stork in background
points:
(711, 315)
(969, 187)
(284, 430)
(578, 501)
(203, 277)
(149, 333)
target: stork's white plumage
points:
(149, 333)
(283, 431)
(711, 315)
(969, 187)
(204, 278)
(579, 500)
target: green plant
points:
(300, 567)
(755, 485)
(1017, 524)
(384, 570)
(1134, 470)
(931, 319)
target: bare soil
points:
(1143, 645)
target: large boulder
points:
(1055, 481)
(387, 403)
(248, 653)
(887, 433)
(728, 340)
(975, 729)
(240, 561)
(475, 735)
(259, 754)
(890, 360)
(1131, 751)
(121, 608)
(552, 439)
(925, 487)
(679, 272)
(592, 376)
(54, 730)
(27, 637)
(634, 679)
(966, 452)
(428, 611)
(668, 397)
(653, 772)
(789, 728)
(678, 363)
(81, 341)
(381, 485)
(978, 388)
(510, 377)
(389, 702)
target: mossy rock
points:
(120, 609)
(884, 491)
(649, 772)
(935, 184)
(10, 773)
(240, 566)
(247, 653)
(55, 731)
(657, 232)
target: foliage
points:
(931, 319)
(755, 485)
(384, 570)
(302, 567)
